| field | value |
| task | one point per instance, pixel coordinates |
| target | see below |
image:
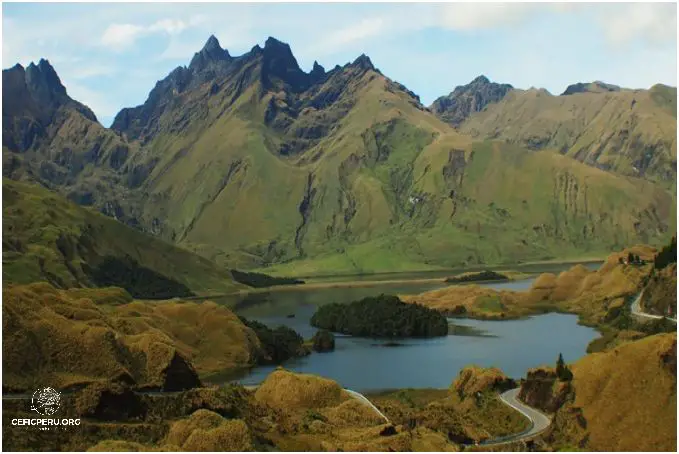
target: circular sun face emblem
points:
(46, 401)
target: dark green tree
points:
(563, 373)
(667, 255)
(323, 341)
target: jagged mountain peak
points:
(280, 52)
(211, 53)
(317, 71)
(44, 79)
(363, 62)
(212, 44)
(464, 100)
(480, 80)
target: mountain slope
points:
(251, 162)
(624, 399)
(52, 139)
(46, 238)
(630, 132)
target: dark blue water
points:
(364, 364)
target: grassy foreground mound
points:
(380, 316)
(227, 418)
(283, 389)
(79, 336)
(47, 238)
(621, 400)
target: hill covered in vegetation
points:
(629, 132)
(47, 238)
(75, 337)
(380, 316)
(623, 399)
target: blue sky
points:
(110, 55)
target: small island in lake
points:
(478, 276)
(381, 316)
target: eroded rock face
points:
(543, 390)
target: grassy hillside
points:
(625, 399)
(253, 163)
(75, 337)
(501, 204)
(47, 238)
(630, 132)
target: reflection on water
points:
(366, 364)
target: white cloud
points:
(364, 29)
(476, 16)
(121, 36)
(654, 23)
(169, 26)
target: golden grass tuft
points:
(474, 379)
(352, 413)
(205, 430)
(287, 390)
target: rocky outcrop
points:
(542, 389)
(468, 99)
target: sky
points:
(110, 55)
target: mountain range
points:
(252, 162)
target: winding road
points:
(539, 422)
(635, 308)
(361, 398)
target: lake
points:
(364, 364)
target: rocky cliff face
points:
(465, 100)
(542, 389)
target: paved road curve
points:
(361, 398)
(539, 422)
(635, 308)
